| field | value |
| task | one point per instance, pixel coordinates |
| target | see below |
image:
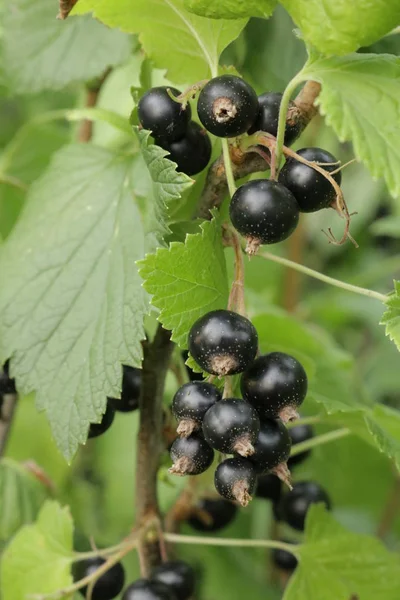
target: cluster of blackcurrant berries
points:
(173, 580)
(225, 343)
(7, 385)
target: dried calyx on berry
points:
(212, 514)
(166, 118)
(190, 404)
(268, 117)
(191, 455)
(235, 479)
(272, 449)
(107, 586)
(131, 387)
(96, 429)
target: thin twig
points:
(65, 8)
(319, 440)
(7, 414)
(391, 509)
(86, 128)
(176, 538)
(14, 182)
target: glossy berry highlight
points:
(295, 504)
(178, 576)
(165, 118)
(311, 189)
(272, 448)
(191, 456)
(212, 514)
(223, 342)
(131, 386)
(227, 106)
(235, 479)
(190, 404)
(144, 589)
(268, 117)
(192, 152)
(97, 429)
(299, 434)
(108, 585)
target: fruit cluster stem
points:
(175, 538)
(6, 419)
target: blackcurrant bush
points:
(298, 434)
(311, 189)
(295, 504)
(97, 429)
(231, 426)
(227, 106)
(275, 384)
(178, 576)
(108, 585)
(268, 116)
(283, 559)
(223, 342)
(193, 376)
(235, 479)
(269, 486)
(131, 385)
(192, 152)
(165, 118)
(191, 455)
(143, 589)
(190, 404)
(212, 514)
(263, 212)
(272, 448)
(7, 385)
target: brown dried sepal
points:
(240, 492)
(186, 427)
(288, 414)
(183, 466)
(282, 471)
(224, 110)
(223, 365)
(252, 246)
(243, 446)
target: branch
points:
(65, 8)
(92, 94)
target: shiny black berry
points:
(178, 576)
(275, 384)
(212, 514)
(143, 589)
(263, 212)
(7, 385)
(283, 559)
(235, 479)
(108, 586)
(298, 434)
(192, 152)
(227, 106)
(311, 189)
(165, 118)
(131, 386)
(295, 504)
(269, 486)
(223, 342)
(272, 447)
(190, 404)
(97, 429)
(191, 455)
(268, 116)
(231, 426)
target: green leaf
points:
(187, 45)
(344, 26)
(389, 226)
(336, 564)
(351, 87)
(231, 9)
(41, 52)
(187, 280)
(383, 424)
(38, 559)
(391, 316)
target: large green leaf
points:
(343, 26)
(391, 317)
(41, 52)
(231, 9)
(186, 45)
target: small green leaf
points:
(343, 26)
(41, 52)
(187, 280)
(38, 559)
(391, 316)
(383, 424)
(231, 9)
(187, 45)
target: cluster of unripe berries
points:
(263, 211)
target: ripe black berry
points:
(283, 559)
(264, 212)
(191, 456)
(311, 189)
(178, 576)
(190, 404)
(275, 384)
(211, 514)
(235, 479)
(192, 152)
(164, 117)
(7, 385)
(269, 486)
(131, 385)
(272, 448)
(227, 106)
(268, 116)
(97, 429)
(108, 586)
(143, 589)
(295, 504)
(223, 342)
(298, 434)
(231, 426)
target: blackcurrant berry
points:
(283, 559)
(275, 384)
(311, 189)
(295, 504)
(190, 404)
(7, 385)
(272, 448)
(235, 479)
(193, 376)
(223, 342)
(231, 426)
(191, 456)
(108, 585)
(97, 429)
(298, 434)
(264, 212)
(178, 576)
(192, 152)
(227, 106)
(165, 118)
(212, 514)
(268, 116)
(143, 589)
(269, 486)
(131, 386)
